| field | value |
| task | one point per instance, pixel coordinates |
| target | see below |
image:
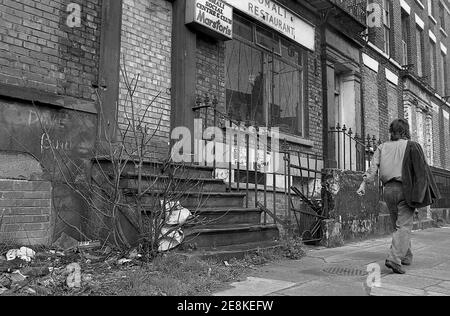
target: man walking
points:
(408, 185)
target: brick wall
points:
(392, 95)
(146, 51)
(446, 144)
(25, 212)
(210, 67)
(39, 50)
(437, 139)
(371, 112)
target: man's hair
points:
(400, 129)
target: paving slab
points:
(326, 288)
(280, 273)
(255, 287)
(438, 289)
(428, 276)
(436, 274)
(409, 281)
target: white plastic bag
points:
(170, 239)
(176, 214)
(23, 253)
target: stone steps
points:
(233, 252)
(193, 201)
(221, 222)
(212, 237)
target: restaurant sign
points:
(213, 17)
(279, 18)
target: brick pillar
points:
(429, 138)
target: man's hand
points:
(362, 189)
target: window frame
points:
(442, 12)
(433, 63)
(387, 22)
(420, 40)
(303, 68)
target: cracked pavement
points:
(344, 271)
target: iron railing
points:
(265, 174)
(353, 152)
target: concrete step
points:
(151, 168)
(191, 200)
(228, 216)
(130, 181)
(239, 251)
(212, 237)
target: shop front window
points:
(265, 79)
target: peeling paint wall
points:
(351, 216)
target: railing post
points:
(350, 133)
(339, 131)
(344, 135)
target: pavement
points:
(355, 270)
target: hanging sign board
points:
(213, 17)
(278, 18)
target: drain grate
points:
(346, 271)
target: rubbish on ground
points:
(107, 250)
(5, 281)
(12, 254)
(24, 253)
(74, 278)
(124, 261)
(65, 242)
(3, 290)
(170, 238)
(176, 214)
(134, 254)
(86, 278)
(89, 245)
(226, 264)
(35, 271)
(91, 257)
(41, 291)
(30, 290)
(17, 277)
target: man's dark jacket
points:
(419, 186)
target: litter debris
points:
(24, 253)
(5, 281)
(124, 261)
(176, 214)
(17, 277)
(90, 257)
(12, 254)
(35, 271)
(134, 254)
(65, 242)
(170, 238)
(86, 278)
(171, 234)
(30, 291)
(226, 264)
(74, 278)
(89, 245)
(3, 290)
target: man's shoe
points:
(395, 267)
(407, 262)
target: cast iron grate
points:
(346, 271)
